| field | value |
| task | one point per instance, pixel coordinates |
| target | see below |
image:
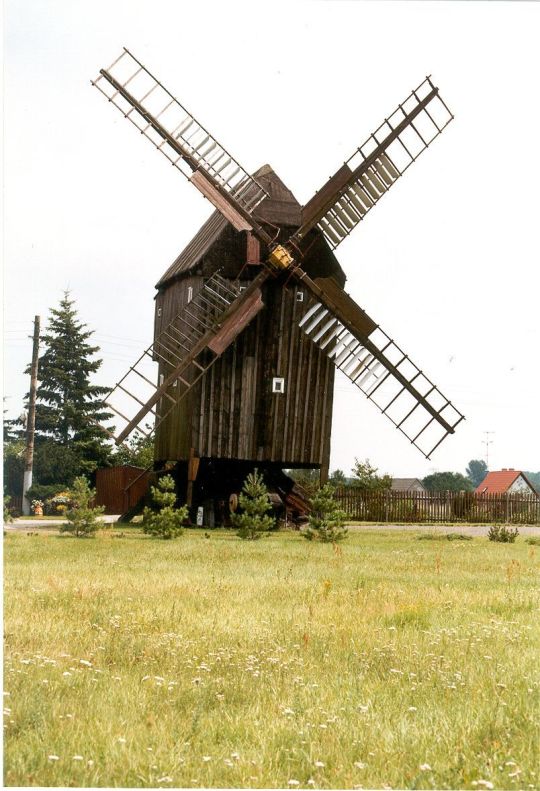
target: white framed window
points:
(161, 379)
(190, 293)
(278, 384)
(159, 312)
(299, 296)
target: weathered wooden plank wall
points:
(233, 412)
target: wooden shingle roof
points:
(280, 208)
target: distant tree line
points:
(366, 477)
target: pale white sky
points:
(447, 263)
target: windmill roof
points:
(498, 482)
(279, 208)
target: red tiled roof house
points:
(505, 481)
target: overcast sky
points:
(447, 263)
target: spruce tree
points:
(67, 402)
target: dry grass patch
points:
(219, 663)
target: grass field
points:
(384, 662)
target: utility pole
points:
(31, 421)
(487, 442)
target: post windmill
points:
(252, 318)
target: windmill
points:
(248, 340)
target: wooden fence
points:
(520, 509)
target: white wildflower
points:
(77, 758)
(66, 673)
(360, 764)
(293, 783)
(288, 712)
(236, 756)
(311, 782)
(425, 768)
(54, 757)
(165, 779)
(207, 758)
(319, 764)
(413, 708)
(145, 678)
(228, 762)
(121, 740)
(85, 662)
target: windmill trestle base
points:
(220, 481)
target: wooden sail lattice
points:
(174, 131)
(386, 155)
(171, 348)
(387, 377)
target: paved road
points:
(48, 524)
(470, 530)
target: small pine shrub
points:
(325, 523)
(166, 522)
(82, 518)
(503, 534)
(254, 520)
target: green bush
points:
(533, 540)
(82, 519)
(165, 522)
(503, 534)
(43, 492)
(7, 514)
(253, 521)
(325, 523)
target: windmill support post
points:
(31, 422)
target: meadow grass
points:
(214, 662)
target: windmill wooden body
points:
(252, 318)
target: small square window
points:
(299, 296)
(159, 312)
(278, 384)
(190, 293)
(242, 288)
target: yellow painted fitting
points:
(280, 257)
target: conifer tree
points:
(326, 518)
(82, 517)
(254, 520)
(67, 402)
(166, 522)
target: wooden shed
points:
(120, 488)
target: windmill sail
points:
(185, 350)
(378, 367)
(177, 134)
(376, 165)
